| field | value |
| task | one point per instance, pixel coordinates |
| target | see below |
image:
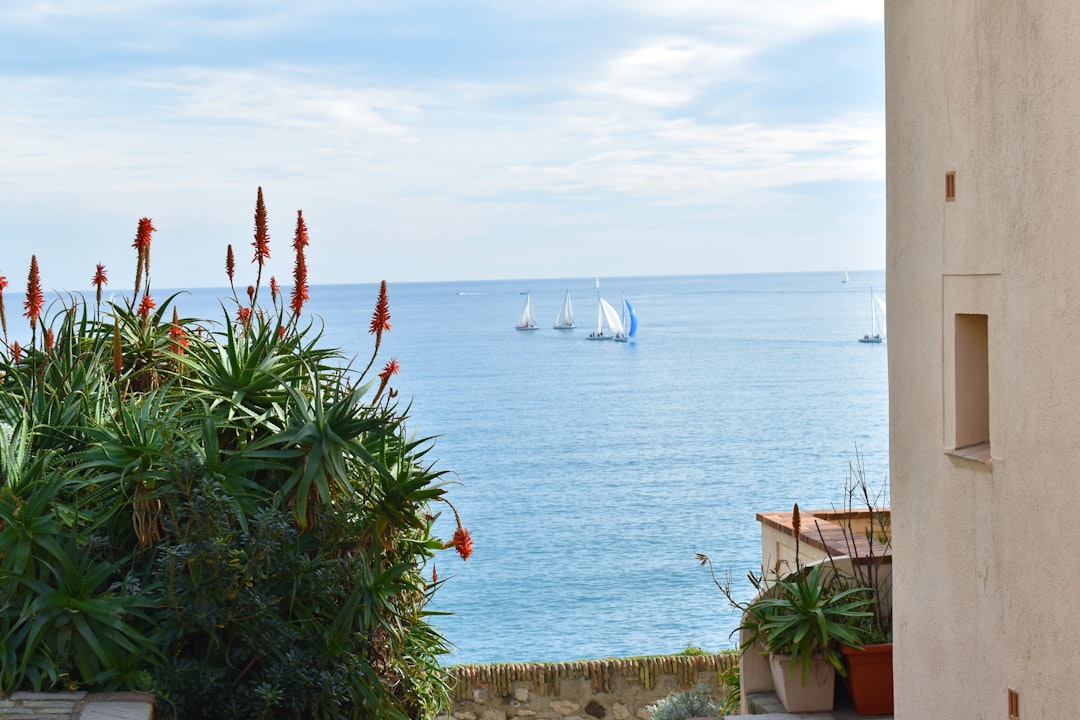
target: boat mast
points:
(599, 311)
(873, 315)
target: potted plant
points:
(867, 535)
(800, 620)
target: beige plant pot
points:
(815, 696)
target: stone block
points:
(564, 707)
(521, 694)
(619, 711)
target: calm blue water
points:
(592, 472)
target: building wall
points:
(985, 594)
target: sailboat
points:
(628, 315)
(565, 321)
(606, 317)
(527, 321)
(875, 333)
(844, 281)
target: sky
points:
(431, 140)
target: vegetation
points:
(684, 704)
(868, 543)
(805, 614)
(732, 680)
(226, 514)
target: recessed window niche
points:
(972, 378)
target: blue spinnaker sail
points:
(633, 318)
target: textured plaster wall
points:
(985, 594)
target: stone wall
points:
(614, 689)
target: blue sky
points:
(442, 139)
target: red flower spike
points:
(49, 340)
(462, 542)
(300, 286)
(230, 264)
(281, 332)
(16, 352)
(3, 282)
(380, 319)
(262, 239)
(243, 315)
(34, 298)
(142, 246)
(300, 239)
(251, 293)
(177, 337)
(434, 574)
(142, 236)
(275, 290)
(391, 368)
(99, 281)
(146, 305)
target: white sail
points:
(527, 321)
(876, 331)
(565, 321)
(881, 311)
(611, 317)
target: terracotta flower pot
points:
(870, 678)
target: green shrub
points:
(684, 704)
(225, 514)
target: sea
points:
(590, 474)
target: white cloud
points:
(688, 163)
(432, 147)
(283, 99)
(668, 72)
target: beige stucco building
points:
(983, 184)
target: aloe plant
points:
(227, 513)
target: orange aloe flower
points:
(391, 368)
(146, 306)
(462, 542)
(34, 298)
(300, 286)
(98, 281)
(16, 352)
(49, 340)
(243, 315)
(262, 238)
(300, 239)
(177, 337)
(380, 319)
(275, 290)
(142, 246)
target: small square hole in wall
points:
(1014, 705)
(950, 186)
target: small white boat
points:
(527, 321)
(876, 332)
(844, 281)
(565, 321)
